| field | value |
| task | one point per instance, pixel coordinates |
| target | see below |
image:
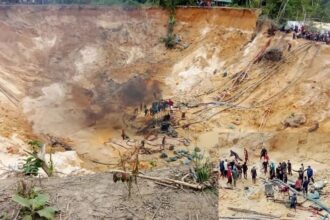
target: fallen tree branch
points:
(163, 180)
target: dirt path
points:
(98, 197)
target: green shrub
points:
(170, 41)
(201, 166)
(35, 145)
(31, 166)
(203, 173)
(34, 204)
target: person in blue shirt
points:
(310, 174)
(222, 168)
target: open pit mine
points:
(147, 113)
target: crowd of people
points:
(238, 169)
(301, 32)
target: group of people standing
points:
(309, 35)
(234, 170)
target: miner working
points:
(163, 143)
(254, 174)
(272, 170)
(289, 168)
(245, 169)
(146, 111)
(170, 104)
(293, 201)
(229, 176)
(263, 152)
(300, 173)
(289, 47)
(305, 186)
(183, 116)
(240, 171)
(234, 174)
(310, 174)
(246, 155)
(123, 135)
(225, 164)
(222, 168)
(265, 165)
(233, 153)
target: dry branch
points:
(163, 180)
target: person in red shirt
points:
(265, 163)
(298, 184)
(170, 104)
(229, 176)
(266, 158)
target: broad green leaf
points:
(48, 213)
(39, 201)
(22, 201)
(27, 217)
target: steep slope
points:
(71, 72)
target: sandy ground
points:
(98, 197)
(75, 81)
(78, 72)
(309, 149)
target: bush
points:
(35, 145)
(201, 166)
(170, 41)
(33, 203)
(31, 166)
(203, 173)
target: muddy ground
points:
(98, 197)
